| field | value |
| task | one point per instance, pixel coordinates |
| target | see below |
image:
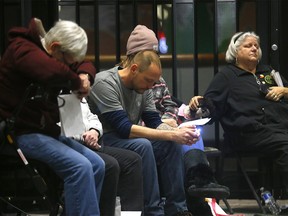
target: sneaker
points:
(211, 190)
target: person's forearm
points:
(149, 133)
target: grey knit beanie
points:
(141, 38)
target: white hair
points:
(237, 40)
(72, 38)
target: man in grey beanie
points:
(199, 178)
(123, 97)
(141, 38)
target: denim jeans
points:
(81, 169)
(198, 145)
(161, 161)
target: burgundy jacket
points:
(26, 62)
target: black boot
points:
(199, 180)
(198, 206)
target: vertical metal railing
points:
(216, 63)
(2, 29)
(26, 12)
(263, 28)
(196, 51)
(118, 33)
(274, 29)
(154, 18)
(77, 11)
(135, 12)
(96, 36)
(174, 54)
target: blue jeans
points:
(158, 157)
(81, 169)
(198, 145)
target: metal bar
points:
(2, 29)
(77, 11)
(117, 36)
(239, 161)
(274, 29)
(96, 35)
(26, 12)
(174, 54)
(196, 63)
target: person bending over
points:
(51, 60)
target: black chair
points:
(267, 168)
(47, 187)
(215, 153)
(43, 179)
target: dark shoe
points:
(198, 206)
(211, 190)
(184, 213)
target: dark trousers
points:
(125, 166)
(267, 140)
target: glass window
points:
(184, 41)
(87, 22)
(126, 24)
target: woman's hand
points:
(276, 93)
(194, 103)
(91, 139)
(84, 89)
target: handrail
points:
(203, 58)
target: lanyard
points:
(262, 87)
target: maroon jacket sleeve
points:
(87, 68)
(31, 60)
(39, 66)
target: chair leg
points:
(18, 210)
(218, 174)
(228, 206)
(250, 185)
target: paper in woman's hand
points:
(276, 76)
(202, 121)
(70, 115)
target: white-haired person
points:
(49, 62)
(250, 103)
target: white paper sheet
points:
(276, 76)
(71, 115)
(202, 121)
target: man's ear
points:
(134, 68)
(54, 46)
